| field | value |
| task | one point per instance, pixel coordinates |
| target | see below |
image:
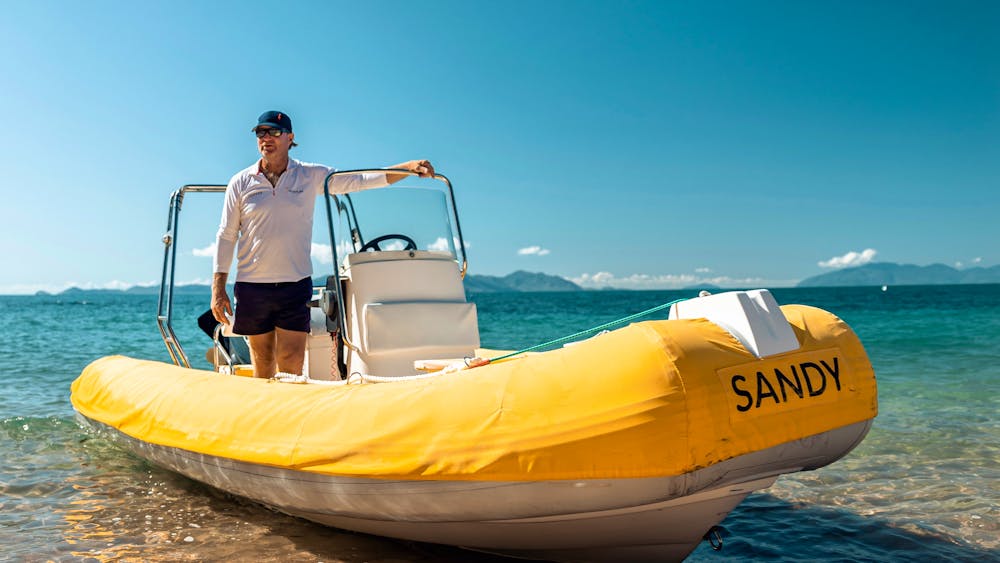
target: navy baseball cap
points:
(276, 119)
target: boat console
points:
(404, 306)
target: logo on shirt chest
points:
(254, 197)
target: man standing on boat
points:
(269, 210)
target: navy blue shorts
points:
(261, 307)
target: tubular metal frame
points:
(165, 306)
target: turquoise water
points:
(925, 484)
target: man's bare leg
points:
(290, 351)
(262, 354)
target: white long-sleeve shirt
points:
(274, 223)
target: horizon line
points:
(599, 281)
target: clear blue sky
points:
(639, 144)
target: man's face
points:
(271, 146)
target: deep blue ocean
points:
(924, 485)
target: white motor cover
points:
(752, 317)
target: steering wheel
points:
(374, 243)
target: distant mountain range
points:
(517, 281)
(887, 273)
(190, 289)
(882, 273)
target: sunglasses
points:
(261, 133)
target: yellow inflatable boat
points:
(632, 444)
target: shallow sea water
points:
(922, 486)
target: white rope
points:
(392, 379)
(282, 377)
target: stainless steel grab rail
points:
(165, 305)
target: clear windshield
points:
(401, 217)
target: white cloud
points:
(635, 281)
(321, 253)
(668, 281)
(392, 245)
(850, 259)
(344, 248)
(533, 251)
(702, 270)
(974, 261)
(207, 252)
(441, 244)
(113, 284)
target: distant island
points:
(189, 289)
(887, 273)
(518, 281)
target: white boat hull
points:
(659, 519)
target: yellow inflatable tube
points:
(654, 399)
